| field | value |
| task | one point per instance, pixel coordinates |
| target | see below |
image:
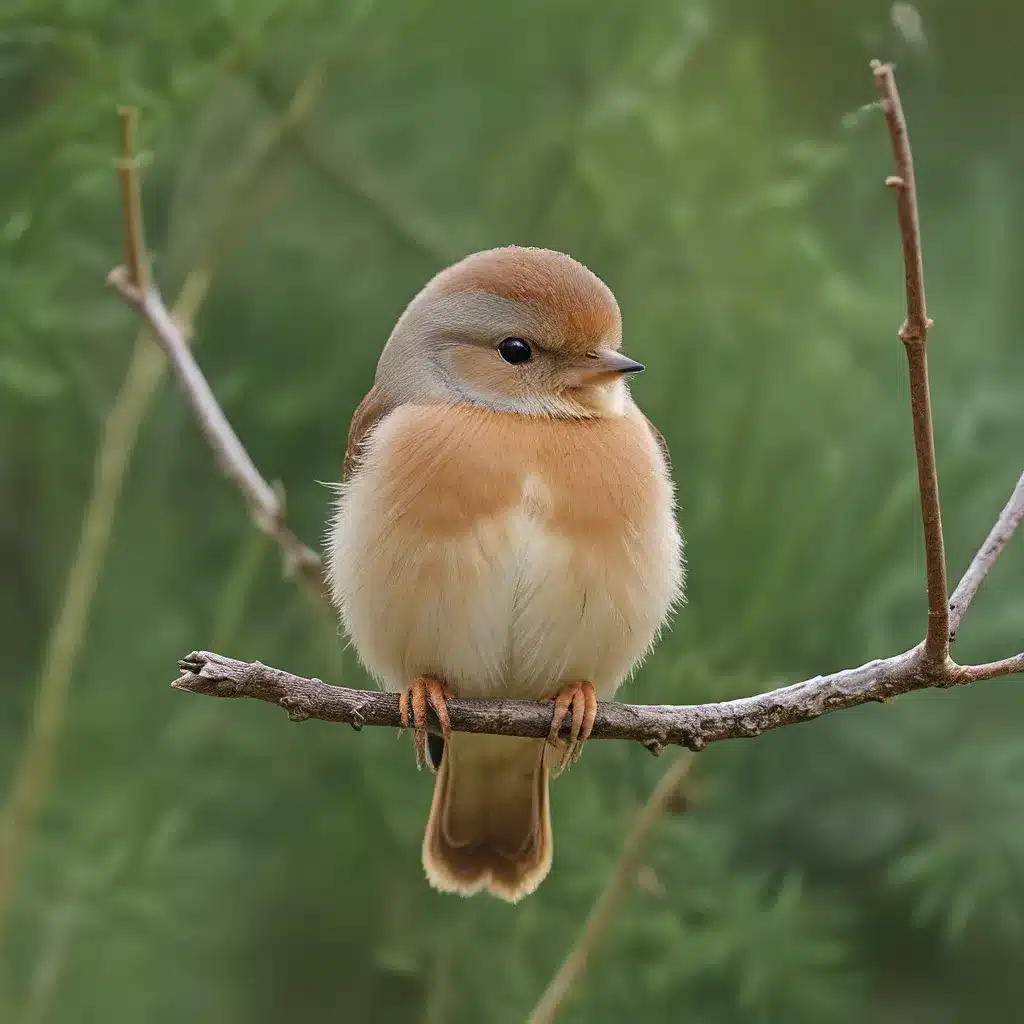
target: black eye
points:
(515, 350)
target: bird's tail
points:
(489, 824)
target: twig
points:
(914, 335)
(999, 536)
(603, 913)
(926, 665)
(131, 199)
(932, 656)
(120, 432)
(655, 726)
(265, 504)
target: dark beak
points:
(627, 365)
(609, 361)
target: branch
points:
(997, 539)
(265, 505)
(655, 726)
(914, 335)
(603, 912)
(128, 166)
(692, 726)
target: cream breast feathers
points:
(503, 552)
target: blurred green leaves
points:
(209, 861)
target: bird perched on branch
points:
(505, 528)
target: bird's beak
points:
(606, 362)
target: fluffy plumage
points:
(507, 530)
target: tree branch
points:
(265, 505)
(999, 536)
(128, 167)
(914, 335)
(693, 726)
(934, 652)
(655, 726)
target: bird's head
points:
(513, 329)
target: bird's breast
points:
(503, 553)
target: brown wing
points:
(372, 409)
(662, 444)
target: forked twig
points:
(132, 284)
(914, 335)
(926, 665)
(943, 621)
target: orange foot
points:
(581, 698)
(419, 693)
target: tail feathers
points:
(489, 826)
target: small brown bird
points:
(505, 528)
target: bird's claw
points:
(412, 704)
(581, 700)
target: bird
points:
(505, 527)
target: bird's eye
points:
(515, 350)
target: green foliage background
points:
(200, 861)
